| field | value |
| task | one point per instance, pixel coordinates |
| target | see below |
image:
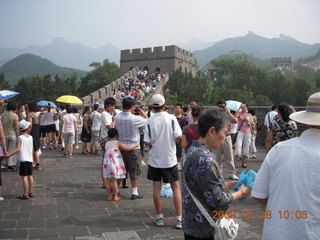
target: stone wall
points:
(107, 91)
(167, 59)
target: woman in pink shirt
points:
(245, 122)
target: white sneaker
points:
(159, 222)
(143, 163)
(179, 224)
(233, 177)
(1, 198)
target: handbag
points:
(224, 229)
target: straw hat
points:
(311, 116)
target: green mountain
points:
(259, 47)
(29, 64)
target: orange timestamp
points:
(248, 214)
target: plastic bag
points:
(247, 179)
(166, 191)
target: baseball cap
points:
(157, 100)
(23, 125)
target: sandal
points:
(244, 165)
(23, 197)
(31, 195)
(117, 198)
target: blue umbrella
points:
(233, 105)
(43, 103)
(5, 94)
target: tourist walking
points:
(182, 122)
(86, 130)
(25, 158)
(191, 132)
(95, 129)
(282, 127)
(244, 135)
(113, 165)
(288, 181)
(128, 126)
(34, 132)
(162, 133)
(3, 151)
(107, 122)
(225, 151)
(202, 176)
(10, 123)
(254, 132)
(69, 130)
(50, 126)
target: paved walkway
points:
(69, 203)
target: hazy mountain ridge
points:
(257, 46)
(63, 53)
(194, 45)
(30, 64)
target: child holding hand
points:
(113, 165)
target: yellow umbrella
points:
(69, 99)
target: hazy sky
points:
(142, 23)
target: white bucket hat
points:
(311, 116)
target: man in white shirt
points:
(162, 131)
(288, 182)
(128, 126)
(95, 129)
(107, 122)
(270, 116)
(106, 116)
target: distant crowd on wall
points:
(138, 87)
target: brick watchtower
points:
(157, 59)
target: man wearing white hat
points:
(289, 179)
(162, 131)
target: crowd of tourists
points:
(189, 139)
(139, 86)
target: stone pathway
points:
(69, 203)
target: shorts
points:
(25, 169)
(69, 138)
(50, 128)
(42, 131)
(168, 175)
(132, 162)
(178, 150)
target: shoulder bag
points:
(224, 229)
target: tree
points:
(4, 84)
(101, 75)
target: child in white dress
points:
(113, 165)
